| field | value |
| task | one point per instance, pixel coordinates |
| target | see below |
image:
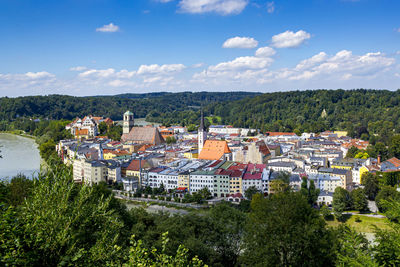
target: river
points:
(19, 155)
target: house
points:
(256, 152)
(143, 135)
(200, 179)
(325, 198)
(138, 168)
(392, 164)
(222, 183)
(215, 150)
(235, 198)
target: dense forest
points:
(372, 115)
(58, 107)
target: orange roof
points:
(279, 133)
(214, 150)
(135, 165)
(82, 132)
(395, 162)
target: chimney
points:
(379, 159)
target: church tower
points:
(202, 133)
(128, 122)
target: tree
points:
(62, 223)
(387, 249)
(103, 128)
(309, 191)
(394, 147)
(341, 202)
(250, 192)
(191, 128)
(391, 178)
(361, 155)
(170, 140)
(325, 212)
(204, 193)
(19, 189)
(141, 256)
(47, 149)
(353, 249)
(352, 152)
(387, 193)
(283, 230)
(371, 185)
(360, 202)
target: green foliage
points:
(353, 249)
(191, 128)
(341, 201)
(250, 192)
(325, 212)
(309, 191)
(352, 152)
(359, 198)
(371, 185)
(141, 256)
(387, 193)
(102, 128)
(394, 146)
(361, 155)
(170, 140)
(283, 230)
(18, 190)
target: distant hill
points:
(69, 107)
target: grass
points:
(365, 226)
(210, 119)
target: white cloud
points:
(310, 62)
(39, 75)
(265, 52)
(78, 68)
(197, 65)
(106, 73)
(290, 39)
(223, 7)
(240, 42)
(160, 69)
(270, 7)
(108, 28)
(242, 63)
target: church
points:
(139, 135)
(211, 149)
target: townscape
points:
(223, 160)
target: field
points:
(365, 225)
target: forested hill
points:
(369, 112)
(69, 107)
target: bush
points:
(168, 198)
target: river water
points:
(19, 155)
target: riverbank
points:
(19, 133)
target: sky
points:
(105, 47)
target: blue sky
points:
(89, 47)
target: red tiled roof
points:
(252, 176)
(279, 133)
(395, 161)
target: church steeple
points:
(201, 133)
(202, 126)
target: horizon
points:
(91, 48)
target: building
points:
(222, 183)
(202, 179)
(128, 122)
(138, 168)
(143, 135)
(201, 134)
(325, 198)
(215, 150)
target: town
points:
(223, 160)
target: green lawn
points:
(365, 226)
(210, 119)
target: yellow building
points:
(343, 164)
(193, 154)
(235, 185)
(363, 170)
(183, 180)
(340, 133)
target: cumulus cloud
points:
(108, 28)
(242, 63)
(160, 69)
(270, 7)
(265, 52)
(106, 73)
(78, 68)
(289, 39)
(240, 42)
(222, 7)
